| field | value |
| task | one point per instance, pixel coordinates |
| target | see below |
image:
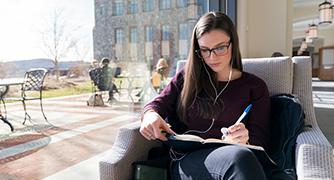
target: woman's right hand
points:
(152, 126)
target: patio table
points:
(130, 80)
(4, 86)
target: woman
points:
(209, 95)
(159, 76)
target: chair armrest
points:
(129, 146)
(314, 155)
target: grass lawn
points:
(71, 87)
(62, 90)
(81, 88)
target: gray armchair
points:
(314, 154)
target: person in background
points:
(106, 80)
(94, 64)
(207, 96)
(159, 76)
(94, 73)
(277, 54)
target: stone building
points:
(145, 30)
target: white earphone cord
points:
(217, 95)
(214, 88)
(172, 153)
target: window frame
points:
(131, 39)
(149, 36)
(132, 6)
(181, 3)
(118, 9)
(148, 5)
(183, 31)
(165, 32)
(119, 36)
(165, 4)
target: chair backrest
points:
(3, 91)
(288, 76)
(276, 72)
(33, 79)
(180, 64)
(118, 71)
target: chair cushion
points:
(276, 72)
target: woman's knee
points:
(228, 161)
(235, 161)
(231, 154)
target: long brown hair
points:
(196, 87)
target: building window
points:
(165, 4)
(148, 5)
(118, 8)
(182, 3)
(119, 36)
(133, 35)
(102, 10)
(133, 6)
(202, 7)
(165, 32)
(148, 33)
(183, 31)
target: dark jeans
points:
(228, 162)
(110, 88)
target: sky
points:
(22, 21)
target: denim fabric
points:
(228, 162)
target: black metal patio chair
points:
(3, 112)
(33, 81)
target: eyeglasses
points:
(218, 51)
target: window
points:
(148, 5)
(182, 3)
(165, 32)
(133, 7)
(102, 10)
(165, 4)
(202, 7)
(119, 36)
(148, 33)
(183, 31)
(133, 35)
(118, 8)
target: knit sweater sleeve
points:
(258, 123)
(166, 103)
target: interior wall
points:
(328, 35)
(265, 27)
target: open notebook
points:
(187, 143)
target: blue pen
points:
(244, 113)
(225, 131)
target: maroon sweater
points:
(248, 89)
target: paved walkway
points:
(79, 136)
(70, 148)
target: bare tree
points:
(80, 69)
(82, 49)
(8, 70)
(3, 72)
(58, 39)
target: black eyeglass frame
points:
(198, 51)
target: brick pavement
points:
(76, 133)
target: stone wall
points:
(106, 23)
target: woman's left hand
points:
(237, 133)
